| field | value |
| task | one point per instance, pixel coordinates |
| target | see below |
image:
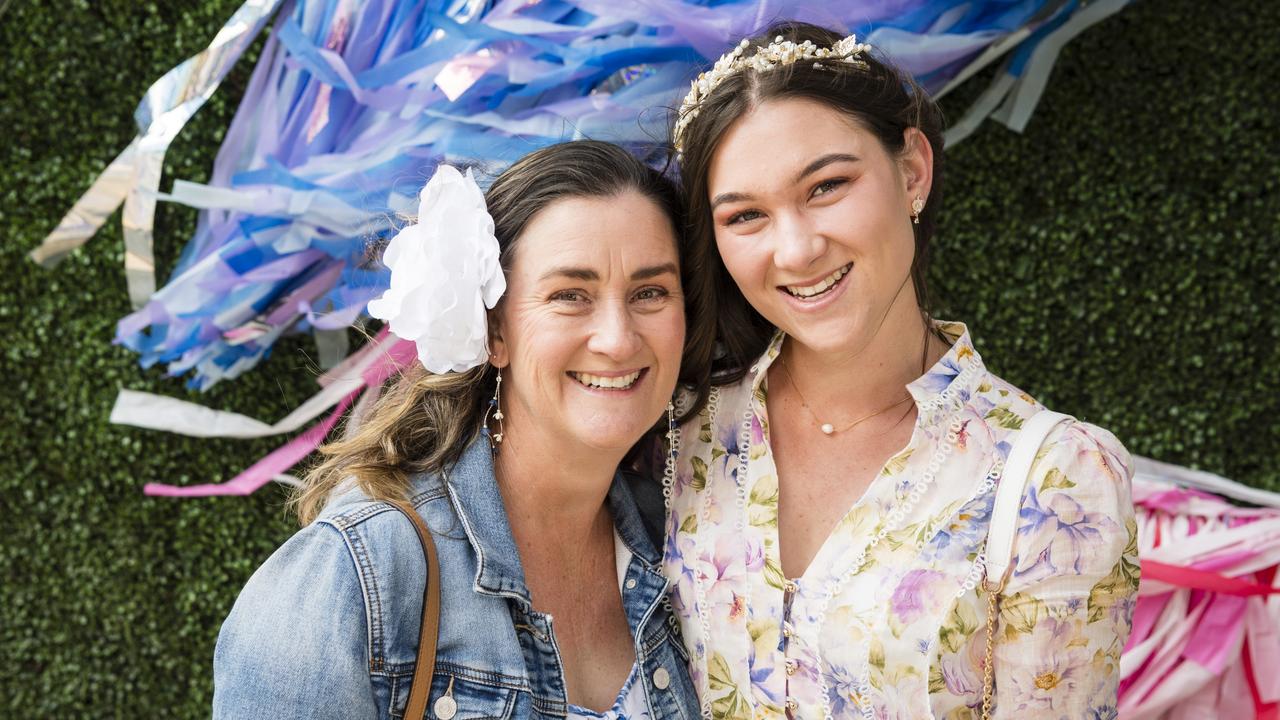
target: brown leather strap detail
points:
(420, 689)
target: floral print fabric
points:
(889, 620)
(630, 705)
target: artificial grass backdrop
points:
(1116, 261)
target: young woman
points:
(511, 458)
(831, 501)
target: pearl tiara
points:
(776, 54)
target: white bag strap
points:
(1013, 483)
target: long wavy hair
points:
(422, 421)
(879, 97)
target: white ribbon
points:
(1011, 99)
(157, 412)
(1148, 469)
(134, 176)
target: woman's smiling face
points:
(812, 218)
(591, 331)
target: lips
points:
(823, 286)
(623, 381)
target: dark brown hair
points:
(424, 421)
(878, 96)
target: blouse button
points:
(790, 586)
(792, 705)
(661, 678)
(792, 666)
(786, 630)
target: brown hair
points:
(879, 97)
(423, 421)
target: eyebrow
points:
(825, 160)
(811, 168)
(589, 275)
(653, 271)
(728, 197)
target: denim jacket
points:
(328, 626)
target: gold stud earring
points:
(917, 207)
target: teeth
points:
(619, 382)
(821, 287)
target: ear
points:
(916, 164)
(499, 355)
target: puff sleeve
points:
(1066, 611)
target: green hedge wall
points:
(1117, 260)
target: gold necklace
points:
(828, 428)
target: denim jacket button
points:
(631, 584)
(445, 708)
(661, 678)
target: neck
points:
(554, 495)
(864, 379)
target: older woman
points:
(552, 591)
(832, 503)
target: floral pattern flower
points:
(890, 619)
(1056, 536)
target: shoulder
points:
(1000, 404)
(330, 592)
(302, 616)
(1087, 450)
(1077, 517)
(1082, 468)
(311, 575)
(1004, 408)
(335, 575)
(353, 511)
(383, 548)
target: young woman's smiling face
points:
(812, 218)
(590, 334)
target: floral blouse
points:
(629, 705)
(889, 620)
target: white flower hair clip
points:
(444, 275)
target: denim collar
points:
(473, 488)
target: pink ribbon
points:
(1187, 577)
(397, 357)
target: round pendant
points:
(827, 428)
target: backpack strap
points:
(1013, 484)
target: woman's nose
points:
(798, 247)
(614, 334)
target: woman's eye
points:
(569, 296)
(651, 293)
(827, 186)
(744, 216)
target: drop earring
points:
(917, 207)
(495, 408)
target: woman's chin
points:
(834, 335)
(610, 439)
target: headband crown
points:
(776, 54)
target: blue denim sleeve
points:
(296, 644)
